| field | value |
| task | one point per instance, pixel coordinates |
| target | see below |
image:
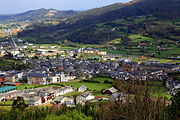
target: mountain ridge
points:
(33, 15)
(85, 29)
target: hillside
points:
(95, 26)
(34, 15)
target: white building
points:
(64, 90)
(84, 98)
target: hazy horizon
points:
(19, 6)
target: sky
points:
(19, 6)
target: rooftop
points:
(6, 89)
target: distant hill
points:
(101, 25)
(34, 15)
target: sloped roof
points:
(36, 75)
(112, 90)
(6, 89)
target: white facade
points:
(90, 97)
(63, 78)
(55, 79)
(64, 90)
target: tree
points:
(126, 41)
(71, 115)
(19, 104)
(174, 108)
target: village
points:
(52, 72)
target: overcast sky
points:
(18, 6)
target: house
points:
(15, 52)
(153, 72)
(54, 79)
(39, 54)
(58, 99)
(2, 78)
(84, 97)
(2, 53)
(14, 76)
(37, 96)
(118, 96)
(7, 89)
(90, 50)
(63, 90)
(82, 88)
(36, 78)
(88, 96)
(67, 100)
(108, 58)
(101, 52)
(110, 91)
(35, 101)
(71, 77)
(124, 60)
(166, 67)
(20, 55)
(45, 96)
(63, 77)
(58, 77)
(153, 61)
(94, 51)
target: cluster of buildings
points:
(67, 67)
(13, 28)
(61, 69)
(57, 95)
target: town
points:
(90, 60)
(54, 75)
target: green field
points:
(137, 38)
(90, 86)
(7, 63)
(161, 60)
(101, 79)
(22, 87)
(5, 109)
(6, 102)
(115, 41)
(75, 93)
(11, 64)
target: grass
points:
(101, 79)
(22, 87)
(94, 46)
(99, 94)
(75, 93)
(137, 38)
(115, 41)
(109, 51)
(161, 60)
(7, 102)
(7, 63)
(5, 109)
(90, 86)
